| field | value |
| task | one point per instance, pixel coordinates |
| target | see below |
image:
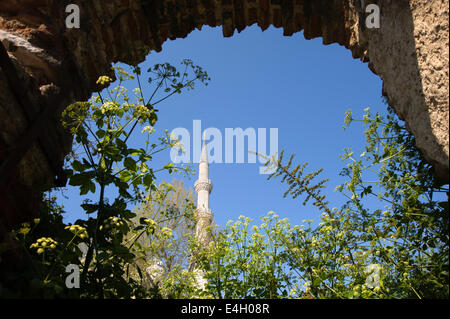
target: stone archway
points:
(46, 66)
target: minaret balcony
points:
(203, 185)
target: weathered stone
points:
(409, 52)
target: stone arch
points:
(56, 66)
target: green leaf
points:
(100, 133)
(130, 164)
(128, 214)
(317, 281)
(113, 153)
(170, 165)
(137, 180)
(103, 163)
(121, 144)
(125, 176)
(144, 168)
(148, 180)
(135, 152)
(84, 189)
(89, 208)
(78, 166)
(78, 179)
(92, 187)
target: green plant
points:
(407, 236)
(164, 247)
(250, 261)
(102, 128)
(396, 250)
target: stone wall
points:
(55, 66)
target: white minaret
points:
(203, 187)
(203, 215)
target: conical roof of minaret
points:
(204, 155)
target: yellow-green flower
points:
(166, 232)
(148, 129)
(78, 230)
(102, 80)
(44, 243)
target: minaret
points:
(203, 187)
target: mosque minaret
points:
(203, 187)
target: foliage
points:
(37, 269)
(102, 128)
(164, 248)
(399, 250)
(250, 262)
(389, 240)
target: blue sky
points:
(265, 80)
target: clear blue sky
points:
(264, 80)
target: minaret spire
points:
(203, 186)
